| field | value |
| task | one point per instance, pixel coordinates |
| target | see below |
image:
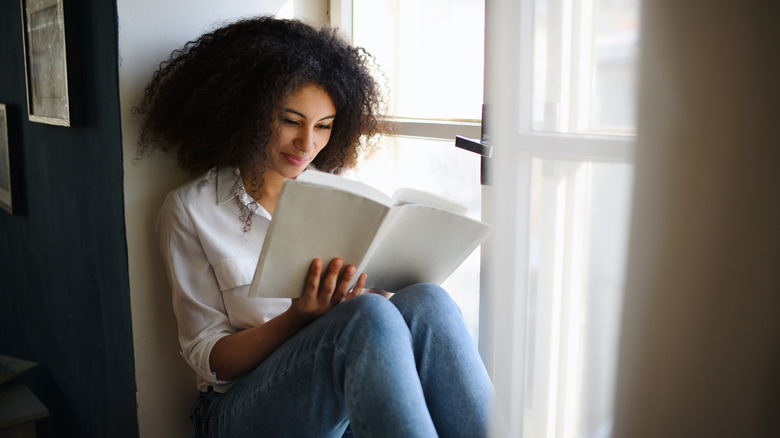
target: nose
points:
(306, 140)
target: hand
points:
(320, 296)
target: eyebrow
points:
(288, 110)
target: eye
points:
(324, 126)
(291, 122)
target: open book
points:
(413, 237)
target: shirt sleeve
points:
(197, 299)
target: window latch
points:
(481, 147)
(473, 145)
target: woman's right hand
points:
(319, 296)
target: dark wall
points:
(64, 288)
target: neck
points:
(266, 195)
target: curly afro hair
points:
(213, 102)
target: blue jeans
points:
(404, 367)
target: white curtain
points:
(700, 349)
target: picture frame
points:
(49, 67)
(6, 198)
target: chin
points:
(292, 174)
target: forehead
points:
(311, 100)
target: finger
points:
(359, 286)
(344, 283)
(313, 280)
(361, 283)
(328, 285)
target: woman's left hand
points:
(319, 296)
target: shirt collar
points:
(230, 185)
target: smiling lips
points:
(295, 160)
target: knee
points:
(373, 310)
(424, 298)
(368, 301)
(373, 321)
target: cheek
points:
(319, 149)
(283, 136)
(322, 140)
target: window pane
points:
(615, 54)
(438, 167)
(432, 52)
(578, 235)
(584, 72)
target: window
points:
(584, 58)
(431, 55)
(431, 51)
(559, 87)
(564, 150)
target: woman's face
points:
(302, 132)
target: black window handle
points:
(476, 146)
(481, 147)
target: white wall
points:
(148, 31)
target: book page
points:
(421, 244)
(414, 196)
(313, 222)
(340, 183)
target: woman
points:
(246, 107)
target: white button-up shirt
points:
(210, 261)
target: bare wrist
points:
(297, 318)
